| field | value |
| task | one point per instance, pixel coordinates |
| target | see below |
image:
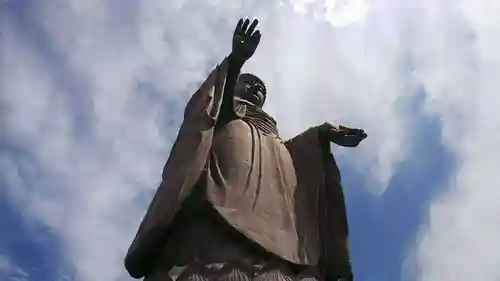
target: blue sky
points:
(92, 93)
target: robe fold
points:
(284, 195)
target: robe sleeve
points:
(181, 172)
(321, 210)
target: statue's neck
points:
(261, 120)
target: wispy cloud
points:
(458, 63)
(92, 92)
(11, 272)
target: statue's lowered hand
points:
(341, 135)
(245, 40)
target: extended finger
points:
(245, 25)
(252, 26)
(361, 133)
(256, 37)
(355, 132)
(238, 28)
(352, 130)
(351, 141)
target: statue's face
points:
(251, 90)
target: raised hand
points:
(245, 40)
(342, 135)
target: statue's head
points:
(251, 88)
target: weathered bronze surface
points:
(233, 190)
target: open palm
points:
(245, 39)
(341, 135)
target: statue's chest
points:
(235, 143)
(251, 163)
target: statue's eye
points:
(254, 84)
(258, 87)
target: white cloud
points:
(101, 51)
(457, 46)
(96, 53)
(338, 13)
(11, 271)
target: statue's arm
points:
(341, 135)
(245, 42)
(227, 111)
(324, 133)
(311, 153)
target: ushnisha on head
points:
(251, 89)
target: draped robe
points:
(284, 195)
